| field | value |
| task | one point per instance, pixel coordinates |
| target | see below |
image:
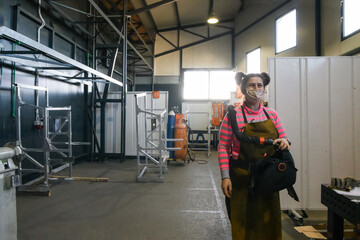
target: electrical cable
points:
(190, 153)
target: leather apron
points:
(254, 216)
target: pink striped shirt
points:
(227, 139)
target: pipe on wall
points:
(318, 27)
(42, 22)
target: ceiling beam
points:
(193, 44)
(149, 7)
(196, 34)
(151, 16)
(177, 15)
(193, 25)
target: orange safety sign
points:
(156, 94)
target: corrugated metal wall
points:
(60, 93)
(318, 100)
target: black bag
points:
(274, 173)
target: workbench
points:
(340, 207)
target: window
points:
(350, 17)
(208, 85)
(196, 85)
(253, 61)
(285, 32)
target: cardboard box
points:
(310, 232)
(320, 231)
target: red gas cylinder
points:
(180, 133)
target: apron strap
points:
(243, 112)
(267, 115)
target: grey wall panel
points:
(318, 122)
(27, 27)
(63, 46)
(174, 93)
(143, 87)
(341, 115)
(356, 113)
(288, 99)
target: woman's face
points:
(254, 89)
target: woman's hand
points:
(283, 143)
(226, 187)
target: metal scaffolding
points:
(152, 153)
(32, 56)
(57, 138)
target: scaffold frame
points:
(50, 138)
(152, 153)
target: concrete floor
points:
(188, 205)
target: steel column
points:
(124, 87)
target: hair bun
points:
(239, 77)
(266, 78)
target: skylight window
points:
(253, 61)
(350, 18)
(286, 32)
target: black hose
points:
(241, 136)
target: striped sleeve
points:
(225, 139)
(277, 122)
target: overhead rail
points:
(61, 60)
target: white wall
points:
(262, 34)
(318, 101)
(215, 53)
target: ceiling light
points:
(212, 19)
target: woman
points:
(253, 216)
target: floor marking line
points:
(219, 204)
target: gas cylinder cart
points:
(152, 153)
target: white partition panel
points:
(318, 101)
(285, 100)
(113, 121)
(318, 126)
(342, 121)
(356, 114)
